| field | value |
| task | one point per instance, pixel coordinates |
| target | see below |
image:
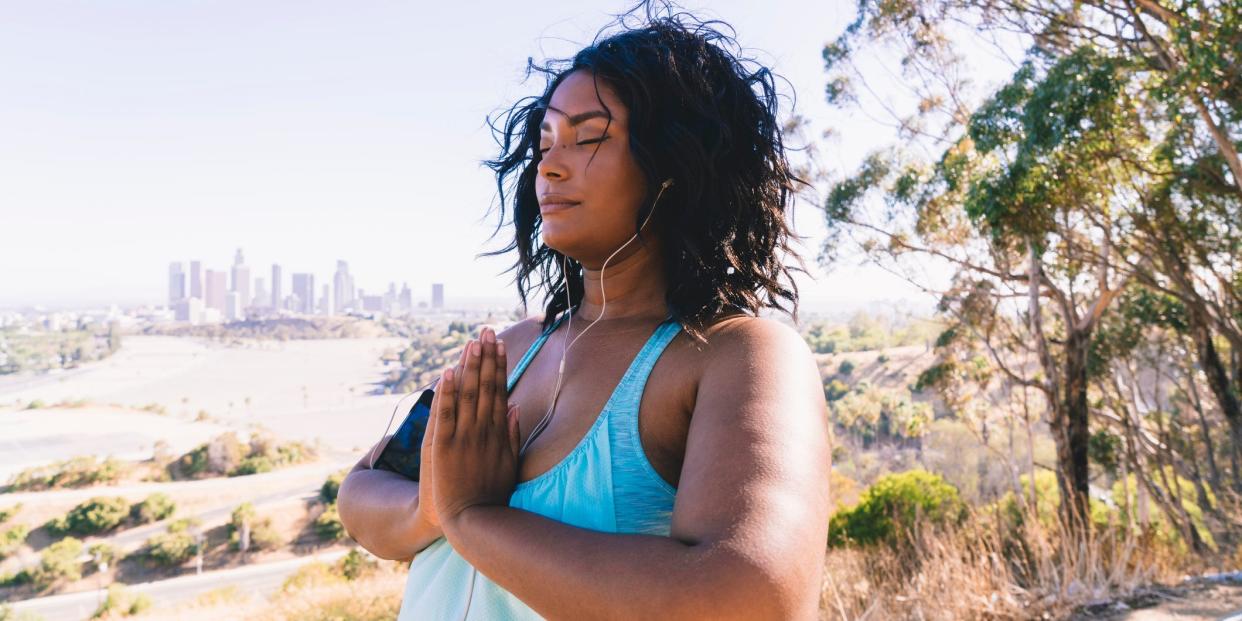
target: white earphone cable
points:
(543, 422)
(560, 373)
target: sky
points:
(136, 133)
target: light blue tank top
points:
(605, 483)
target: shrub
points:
(71, 473)
(120, 603)
(226, 455)
(171, 548)
(219, 456)
(96, 515)
(7, 514)
(253, 465)
(328, 525)
(262, 535)
(16, 579)
(8, 614)
(889, 509)
(57, 563)
(12, 539)
(835, 389)
(332, 486)
(101, 553)
(312, 574)
(153, 508)
(845, 369)
(356, 564)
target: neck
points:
(634, 284)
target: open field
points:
(301, 390)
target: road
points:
(261, 579)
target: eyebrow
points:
(576, 118)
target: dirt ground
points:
(1201, 602)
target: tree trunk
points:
(1073, 431)
(1218, 380)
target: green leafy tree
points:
(894, 506)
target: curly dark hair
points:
(698, 114)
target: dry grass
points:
(980, 572)
(976, 571)
(316, 592)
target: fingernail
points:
(474, 348)
(448, 375)
(500, 347)
(488, 336)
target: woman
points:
(675, 464)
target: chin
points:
(557, 240)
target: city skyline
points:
(233, 298)
(309, 147)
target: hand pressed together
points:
(475, 441)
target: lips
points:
(552, 204)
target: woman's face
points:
(588, 211)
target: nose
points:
(550, 165)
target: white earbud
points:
(560, 373)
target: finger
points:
(487, 414)
(515, 431)
(500, 401)
(461, 362)
(436, 399)
(468, 397)
(446, 425)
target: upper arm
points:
(754, 483)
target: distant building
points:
(216, 287)
(325, 301)
(260, 298)
(176, 283)
(277, 291)
(390, 298)
(189, 309)
(343, 284)
(241, 280)
(304, 289)
(232, 306)
(405, 300)
(373, 303)
(196, 279)
(437, 296)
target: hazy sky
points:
(134, 133)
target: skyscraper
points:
(325, 301)
(343, 284)
(241, 280)
(278, 299)
(405, 300)
(196, 279)
(232, 306)
(437, 296)
(176, 283)
(304, 290)
(216, 288)
(260, 298)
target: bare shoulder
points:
(521, 335)
(739, 342)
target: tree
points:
(1107, 160)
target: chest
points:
(591, 378)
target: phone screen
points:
(403, 453)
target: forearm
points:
(379, 509)
(565, 572)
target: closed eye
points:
(591, 141)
